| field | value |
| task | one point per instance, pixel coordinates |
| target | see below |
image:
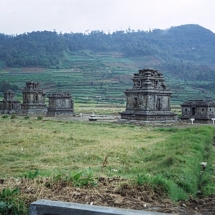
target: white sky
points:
(20, 16)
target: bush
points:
(39, 118)
(5, 116)
(26, 117)
(14, 116)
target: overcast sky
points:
(20, 16)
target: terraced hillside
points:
(102, 78)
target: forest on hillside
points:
(188, 50)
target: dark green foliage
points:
(4, 85)
(5, 116)
(11, 203)
(14, 116)
(32, 49)
(27, 117)
(39, 118)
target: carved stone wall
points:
(33, 99)
(9, 105)
(60, 104)
(149, 99)
(200, 110)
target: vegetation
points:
(98, 67)
(181, 51)
(10, 202)
(4, 85)
(13, 116)
(101, 86)
(39, 117)
(77, 178)
(167, 159)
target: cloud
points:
(79, 15)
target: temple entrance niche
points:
(149, 99)
(193, 111)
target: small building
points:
(60, 104)
(33, 99)
(149, 99)
(9, 105)
(200, 110)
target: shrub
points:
(5, 116)
(39, 118)
(14, 116)
(26, 117)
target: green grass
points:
(166, 159)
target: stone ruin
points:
(34, 102)
(33, 99)
(149, 99)
(60, 104)
(9, 105)
(200, 110)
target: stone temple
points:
(200, 110)
(149, 99)
(33, 99)
(60, 104)
(9, 105)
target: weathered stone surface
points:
(200, 110)
(47, 207)
(60, 104)
(33, 99)
(149, 99)
(9, 105)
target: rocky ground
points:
(111, 192)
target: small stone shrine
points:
(149, 99)
(9, 105)
(200, 110)
(33, 99)
(60, 104)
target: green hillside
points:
(98, 67)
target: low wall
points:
(47, 207)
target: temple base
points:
(154, 116)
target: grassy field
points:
(166, 157)
(162, 158)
